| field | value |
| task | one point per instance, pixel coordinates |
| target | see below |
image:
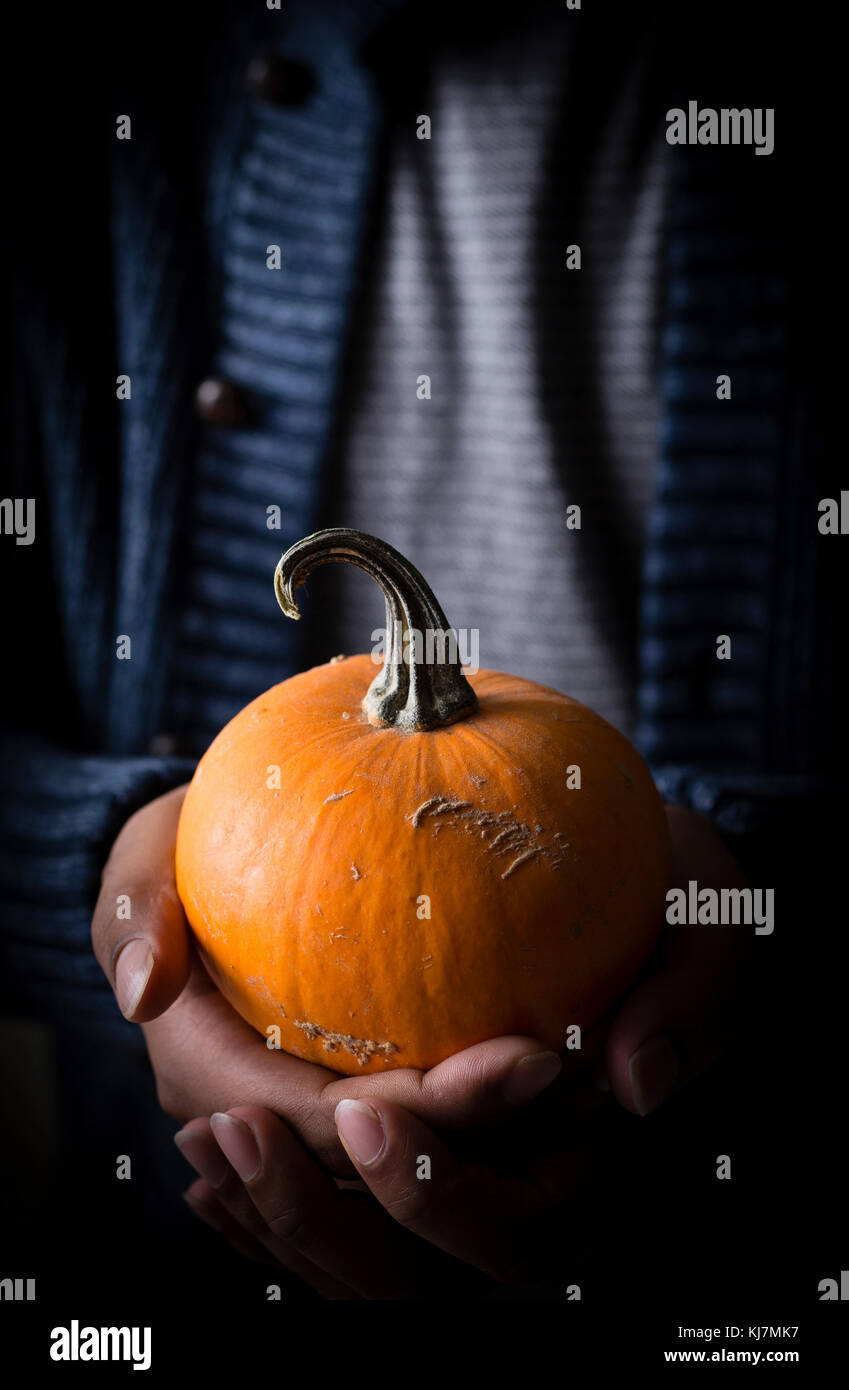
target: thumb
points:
(139, 931)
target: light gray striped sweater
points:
(465, 285)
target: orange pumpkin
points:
(389, 879)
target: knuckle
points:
(313, 1122)
(166, 1097)
(116, 860)
(172, 1098)
(102, 919)
(295, 1224)
(424, 1095)
(411, 1204)
(310, 1117)
(471, 1081)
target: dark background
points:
(658, 1241)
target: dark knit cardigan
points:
(137, 257)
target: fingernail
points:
(237, 1140)
(201, 1150)
(530, 1076)
(653, 1070)
(132, 972)
(360, 1129)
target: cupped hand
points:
(206, 1058)
(508, 1219)
(270, 1199)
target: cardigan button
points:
(279, 81)
(219, 402)
(162, 746)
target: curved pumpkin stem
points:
(407, 694)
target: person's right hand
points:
(207, 1059)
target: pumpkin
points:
(390, 868)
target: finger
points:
(677, 1020)
(675, 1023)
(207, 1058)
(485, 1219)
(144, 952)
(202, 1201)
(344, 1233)
(227, 1201)
(478, 1085)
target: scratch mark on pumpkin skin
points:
(436, 805)
(355, 873)
(510, 836)
(361, 1048)
(522, 859)
(338, 796)
(256, 983)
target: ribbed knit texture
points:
(164, 537)
(731, 539)
(466, 283)
(297, 182)
(150, 536)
